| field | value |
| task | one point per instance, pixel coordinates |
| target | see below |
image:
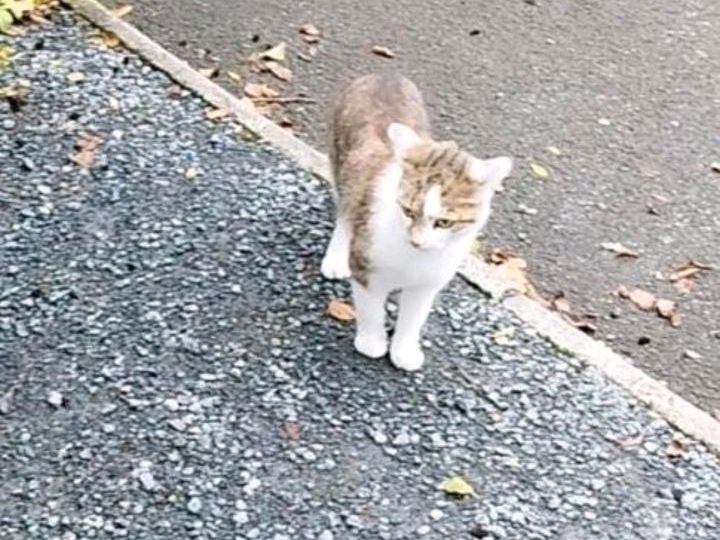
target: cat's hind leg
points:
(370, 337)
(415, 305)
(336, 263)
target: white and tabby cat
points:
(408, 209)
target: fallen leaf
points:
(216, 114)
(619, 249)
(692, 355)
(55, 399)
(554, 150)
(583, 325)
(281, 72)
(121, 11)
(642, 299)
(87, 147)
(291, 430)
(76, 77)
(503, 335)
(16, 8)
(382, 51)
(6, 21)
(309, 30)
(108, 39)
(676, 320)
(457, 486)
(513, 270)
(560, 303)
(6, 56)
(689, 269)
(234, 76)
(666, 308)
(276, 53)
(340, 311)
(676, 448)
(257, 90)
(191, 173)
(210, 72)
(684, 285)
(539, 171)
(715, 166)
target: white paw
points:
(408, 357)
(335, 266)
(371, 346)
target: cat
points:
(407, 210)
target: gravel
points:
(181, 323)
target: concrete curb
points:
(676, 410)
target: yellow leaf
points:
(234, 76)
(340, 311)
(216, 114)
(554, 150)
(539, 171)
(382, 51)
(277, 53)
(458, 486)
(503, 335)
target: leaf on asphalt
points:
(689, 269)
(210, 72)
(458, 487)
(666, 308)
(340, 311)
(560, 303)
(684, 285)
(642, 299)
(382, 51)
(257, 90)
(581, 324)
(676, 448)
(55, 399)
(76, 77)
(276, 53)
(539, 171)
(309, 33)
(292, 430)
(233, 76)
(216, 114)
(513, 270)
(554, 150)
(715, 166)
(122, 11)
(619, 249)
(281, 72)
(87, 147)
(503, 335)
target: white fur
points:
(336, 263)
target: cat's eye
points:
(443, 223)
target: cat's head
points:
(444, 193)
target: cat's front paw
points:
(407, 356)
(371, 346)
(335, 266)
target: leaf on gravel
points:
(457, 486)
(6, 20)
(233, 76)
(689, 269)
(6, 54)
(106, 39)
(382, 51)
(619, 249)
(55, 399)
(216, 114)
(87, 147)
(539, 171)
(513, 269)
(560, 303)
(503, 335)
(309, 33)
(666, 308)
(715, 166)
(340, 311)
(76, 77)
(642, 299)
(257, 90)
(281, 72)
(676, 448)
(554, 150)
(122, 11)
(191, 173)
(684, 285)
(16, 8)
(292, 430)
(210, 72)
(276, 53)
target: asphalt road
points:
(628, 91)
(167, 368)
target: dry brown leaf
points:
(382, 51)
(276, 53)
(560, 303)
(619, 249)
(642, 299)
(87, 147)
(666, 308)
(689, 269)
(216, 114)
(684, 285)
(340, 311)
(292, 430)
(676, 448)
(513, 269)
(234, 76)
(281, 72)
(309, 30)
(121, 11)
(257, 90)
(210, 72)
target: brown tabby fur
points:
(360, 151)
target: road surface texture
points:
(627, 91)
(167, 369)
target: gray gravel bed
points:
(167, 369)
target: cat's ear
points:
(490, 172)
(402, 138)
